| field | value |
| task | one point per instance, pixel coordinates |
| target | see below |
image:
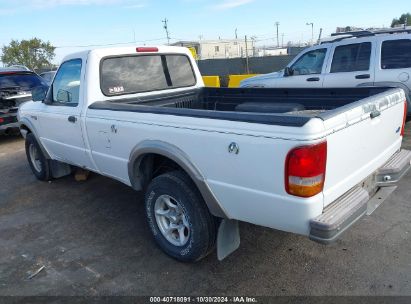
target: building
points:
(188, 44)
(221, 48)
(271, 51)
(234, 48)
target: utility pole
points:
(278, 39)
(246, 56)
(282, 40)
(165, 26)
(253, 38)
(236, 34)
(312, 31)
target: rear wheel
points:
(178, 218)
(36, 158)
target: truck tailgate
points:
(361, 137)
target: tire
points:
(38, 163)
(193, 218)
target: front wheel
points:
(178, 218)
(37, 161)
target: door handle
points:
(72, 119)
(363, 76)
(313, 79)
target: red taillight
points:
(305, 170)
(1, 120)
(146, 49)
(404, 119)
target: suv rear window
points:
(21, 80)
(351, 58)
(143, 73)
(396, 54)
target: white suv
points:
(365, 58)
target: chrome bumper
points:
(360, 200)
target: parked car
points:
(16, 84)
(48, 76)
(17, 67)
(306, 161)
(365, 58)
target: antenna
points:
(165, 26)
(319, 36)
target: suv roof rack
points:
(366, 33)
(353, 33)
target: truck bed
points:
(286, 107)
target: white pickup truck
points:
(310, 162)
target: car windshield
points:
(310, 63)
(21, 80)
(48, 76)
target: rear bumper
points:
(360, 200)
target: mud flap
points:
(59, 169)
(228, 238)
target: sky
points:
(73, 25)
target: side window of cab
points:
(65, 90)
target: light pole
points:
(278, 38)
(312, 31)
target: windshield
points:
(48, 76)
(310, 63)
(21, 80)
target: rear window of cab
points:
(143, 73)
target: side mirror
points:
(38, 93)
(63, 96)
(288, 72)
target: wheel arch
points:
(26, 126)
(138, 172)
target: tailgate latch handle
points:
(375, 114)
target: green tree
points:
(33, 53)
(401, 20)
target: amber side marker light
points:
(305, 170)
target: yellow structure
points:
(211, 81)
(193, 52)
(234, 80)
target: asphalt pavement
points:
(90, 238)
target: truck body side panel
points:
(248, 185)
